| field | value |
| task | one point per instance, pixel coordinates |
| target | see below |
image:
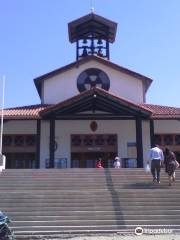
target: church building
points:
(91, 108)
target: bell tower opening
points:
(92, 34)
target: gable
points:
(61, 84)
(96, 103)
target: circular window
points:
(93, 77)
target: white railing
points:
(2, 162)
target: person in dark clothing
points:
(170, 165)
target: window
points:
(7, 140)
(111, 140)
(30, 140)
(168, 140)
(158, 139)
(88, 141)
(20, 160)
(76, 140)
(75, 163)
(19, 140)
(177, 139)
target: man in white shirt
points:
(157, 157)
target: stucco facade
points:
(124, 129)
(64, 85)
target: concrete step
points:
(95, 216)
(82, 181)
(79, 181)
(90, 177)
(97, 222)
(125, 213)
(81, 170)
(93, 204)
(76, 195)
(105, 199)
(57, 192)
(72, 175)
(36, 190)
(89, 208)
(55, 201)
(86, 200)
(146, 183)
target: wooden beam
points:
(94, 117)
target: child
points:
(117, 163)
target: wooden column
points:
(51, 143)
(38, 143)
(139, 142)
(152, 132)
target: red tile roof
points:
(33, 111)
(163, 112)
(25, 112)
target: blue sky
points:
(34, 41)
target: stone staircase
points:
(56, 201)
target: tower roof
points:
(101, 27)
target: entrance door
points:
(89, 160)
(86, 149)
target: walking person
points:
(156, 157)
(117, 162)
(170, 165)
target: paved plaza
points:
(116, 237)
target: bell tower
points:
(92, 34)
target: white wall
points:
(30, 127)
(125, 129)
(20, 127)
(64, 85)
(166, 126)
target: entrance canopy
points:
(98, 104)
